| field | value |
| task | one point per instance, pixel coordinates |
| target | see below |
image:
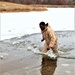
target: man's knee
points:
(55, 49)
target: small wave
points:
(66, 57)
(51, 54)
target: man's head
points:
(42, 25)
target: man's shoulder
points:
(49, 29)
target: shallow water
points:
(20, 61)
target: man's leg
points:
(55, 47)
(45, 47)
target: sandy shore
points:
(16, 59)
(13, 7)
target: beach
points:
(14, 7)
(17, 57)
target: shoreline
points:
(13, 7)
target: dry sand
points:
(13, 7)
(17, 60)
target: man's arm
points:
(42, 40)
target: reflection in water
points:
(48, 66)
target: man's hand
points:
(42, 40)
(48, 48)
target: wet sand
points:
(16, 57)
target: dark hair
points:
(42, 23)
(46, 24)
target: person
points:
(50, 37)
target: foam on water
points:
(48, 53)
(65, 65)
